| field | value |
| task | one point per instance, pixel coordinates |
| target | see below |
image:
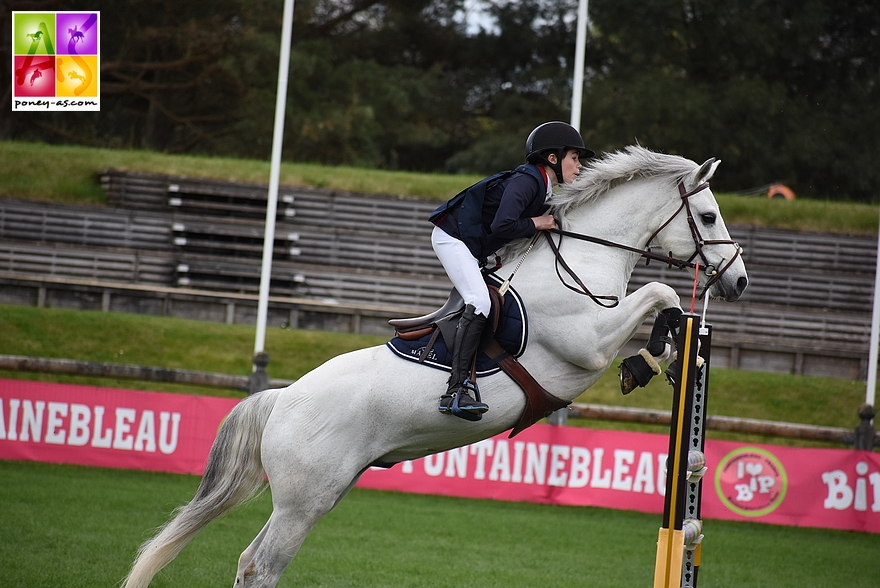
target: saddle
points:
(442, 322)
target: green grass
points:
(73, 178)
(801, 214)
(788, 398)
(162, 342)
(73, 175)
(217, 347)
(75, 527)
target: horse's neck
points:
(573, 339)
(627, 215)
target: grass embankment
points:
(76, 527)
(162, 342)
(221, 348)
(74, 172)
(72, 177)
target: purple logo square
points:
(76, 33)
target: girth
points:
(539, 402)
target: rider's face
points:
(571, 165)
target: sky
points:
(476, 17)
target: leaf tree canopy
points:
(780, 91)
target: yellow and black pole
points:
(693, 523)
(681, 532)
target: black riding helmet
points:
(554, 137)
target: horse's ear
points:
(705, 172)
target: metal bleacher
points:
(64, 261)
(807, 309)
(330, 246)
(30, 221)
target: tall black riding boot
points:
(462, 398)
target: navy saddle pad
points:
(512, 335)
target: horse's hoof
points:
(637, 371)
(627, 380)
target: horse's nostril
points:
(741, 285)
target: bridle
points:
(699, 243)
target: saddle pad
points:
(512, 335)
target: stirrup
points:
(461, 404)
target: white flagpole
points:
(875, 334)
(560, 417)
(272, 205)
(578, 81)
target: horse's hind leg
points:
(248, 554)
(293, 517)
(265, 559)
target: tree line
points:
(780, 91)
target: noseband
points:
(611, 301)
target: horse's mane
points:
(604, 173)
(611, 169)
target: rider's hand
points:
(543, 223)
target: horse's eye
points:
(708, 218)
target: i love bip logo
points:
(751, 481)
(55, 61)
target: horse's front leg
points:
(601, 333)
(613, 328)
(637, 370)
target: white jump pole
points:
(577, 92)
(875, 333)
(272, 205)
(560, 417)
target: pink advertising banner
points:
(827, 488)
(88, 425)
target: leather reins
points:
(611, 301)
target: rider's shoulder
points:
(526, 177)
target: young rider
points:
(483, 218)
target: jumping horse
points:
(312, 440)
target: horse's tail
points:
(233, 474)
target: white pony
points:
(313, 439)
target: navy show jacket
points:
(495, 211)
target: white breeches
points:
(462, 269)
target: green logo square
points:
(33, 33)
